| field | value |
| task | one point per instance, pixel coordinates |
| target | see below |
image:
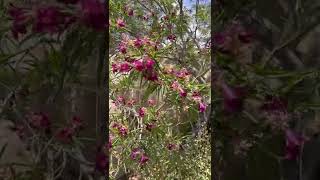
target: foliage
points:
(264, 80)
(159, 90)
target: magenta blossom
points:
(120, 23)
(171, 146)
(135, 152)
(149, 63)
(275, 109)
(109, 145)
(40, 121)
(151, 76)
(124, 67)
(275, 105)
(196, 96)
(150, 126)
(121, 100)
(76, 123)
(65, 135)
(232, 98)
(182, 73)
(142, 112)
(138, 43)
(20, 20)
(171, 37)
(49, 20)
(20, 130)
(115, 67)
(115, 125)
(144, 159)
(293, 143)
(131, 102)
(145, 17)
(94, 14)
(151, 102)
(123, 48)
(202, 107)
(175, 85)
(182, 92)
(219, 39)
(123, 131)
(130, 12)
(138, 65)
(101, 162)
(245, 36)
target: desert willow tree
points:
(159, 89)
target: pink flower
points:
(182, 92)
(202, 107)
(146, 41)
(232, 98)
(123, 131)
(151, 102)
(175, 85)
(124, 67)
(20, 130)
(134, 153)
(219, 38)
(115, 67)
(293, 143)
(40, 121)
(49, 20)
(149, 63)
(76, 123)
(275, 105)
(65, 135)
(150, 126)
(94, 14)
(145, 17)
(130, 12)
(131, 102)
(165, 18)
(115, 125)
(245, 36)
(121, 100)
(123, 48)
(196, 96)
(138, 43)
(182, 73)
(171, 37)
(144, 159)
(109, 146)
(101, 162)
(151, 76)
(138, 65)
(142, 112)
(120, 23)
(20, 20)
(171, 146)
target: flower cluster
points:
(145, 65)
(138, 154)
(232, 38)
(66, 134)
(55, 18)
(121, 129)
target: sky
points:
(189, 3)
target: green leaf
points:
(3, 149)
(151, 88)
(4, 58)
